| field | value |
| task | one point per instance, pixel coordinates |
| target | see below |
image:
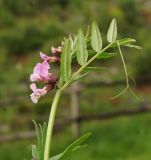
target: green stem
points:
(51, 124)
(124, 64)
(126, 73)
(56, 100)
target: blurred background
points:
(121, 127)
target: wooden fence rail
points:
(75, 117)
(83, 118)
(143, 80)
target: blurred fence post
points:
(75, 126)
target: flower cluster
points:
(41, 74)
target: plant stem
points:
(51, 124)
(126, 73)
(56, 100)
(124, 65)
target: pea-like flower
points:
(37, 93)
(41, 72)
(56, 51)
(44, 57)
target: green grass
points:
(126, 138)
(15, 150)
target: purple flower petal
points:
(37, 93)
(34, 77)
(44, 57)
(33, 87)
(34, 98)
(40, 72)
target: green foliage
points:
(38, 150)
(25, 7)
(132, 46)
(66, 61)
(46, 19)
(30, 38)
(81, 48)
(96, 39)
(127, 42)
(143, 69)
(35, 153)
(79, 45)
(112, 31)
(106, 55)
(72, 147)
(95, 68)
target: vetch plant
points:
(84, 49)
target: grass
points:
(119, 139)
(125, 138)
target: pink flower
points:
(44, 57)
(49, 59)
(40, 72)
(56, 51)
(37, 93)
